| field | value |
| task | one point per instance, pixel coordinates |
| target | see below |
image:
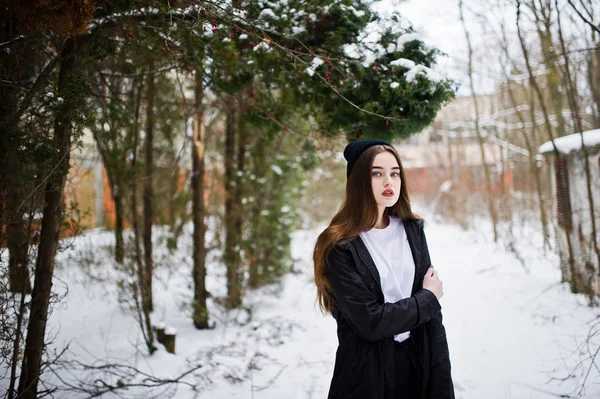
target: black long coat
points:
(364, 364)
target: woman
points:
(373, 274)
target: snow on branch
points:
(142, 12)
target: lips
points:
(388, 193)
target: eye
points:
(395, 174)
(376, 174)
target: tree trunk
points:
(239, 182)
(486, 172)
(535, 87)
(16, 234)
(149, 170)
(139, 289)
(234, 294)
(115, 181)
(119, 242)
(543, 27)
(44, 268)
(11, 71)
(535, 171)
(254, 251)
(16, 348)
(198, 208)
(594, 81)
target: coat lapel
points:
(363, 254)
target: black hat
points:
(356, 148)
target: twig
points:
(590, 23)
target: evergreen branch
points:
(294, 54)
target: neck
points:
(382, 221)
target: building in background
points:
(579, 259)
(448, 153)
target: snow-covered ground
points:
(513, 330)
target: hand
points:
(433, 283)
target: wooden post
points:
(169, 339)
(160, 332)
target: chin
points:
(392, 202)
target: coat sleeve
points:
(440, 383)
(369, 318)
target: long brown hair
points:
(357, 213)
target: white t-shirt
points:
(391, 253)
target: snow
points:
(431, 75)
(298, 29)
(404, 63)
(277, 169)
(262, 46)
(572, 142)
(170, 331)
(314, 64)
(514, 330)
(267, 12)
(354, 10)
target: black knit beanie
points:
(356, 148)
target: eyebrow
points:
(380, 167)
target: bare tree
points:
(549, 131)
(528, 143)
(490, 199)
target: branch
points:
(138, 74)
(36, 86)
(122, 372)
(590, 23)
(16, 39)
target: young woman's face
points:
(385, 179)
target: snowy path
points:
(510, 331)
